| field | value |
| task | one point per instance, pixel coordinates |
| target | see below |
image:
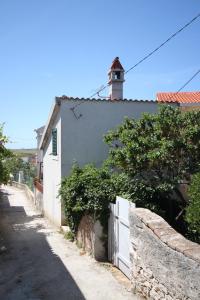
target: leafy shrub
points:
(158, 152)
(69, 236)
(149, 158)
(87, 190)
(193, 209)
(161, 149)
(4, 154)
(138, 192)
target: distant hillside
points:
(24, 152)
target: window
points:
(54, 141)
(117, 75)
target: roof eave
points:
(189, 103)
(53, 113)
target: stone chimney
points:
(116, 79)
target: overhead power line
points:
(165, 42)
(180, 89)
(142, 60)
(152, 52)
(184, 85)
(188, 81)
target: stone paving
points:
(37, 263)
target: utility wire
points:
(174, 94)
(165, 42)
(145, 58)
(184, 85)
(96, 93)
(152, 52)
(188, 81)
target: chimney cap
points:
(116, 64)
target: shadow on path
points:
(29, 269)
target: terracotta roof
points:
(181, 97)
(116, 64)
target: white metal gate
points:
(119, 236)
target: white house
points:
(74, 132)
(39, 157)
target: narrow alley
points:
(36, 262)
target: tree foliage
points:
(86, 190)
(149, 159)
(193, 209)
(11, 163)
(4, 154)
(165, 145)
(15, 164)
(157, 152)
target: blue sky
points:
(65, 47)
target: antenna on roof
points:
(98, 92)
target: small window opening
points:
(117, 75)
(54, 141)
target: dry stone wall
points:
(90, 237)
(165, 265)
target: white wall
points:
(52, 178)
(39, 132)
(38, 200)
(82, 139)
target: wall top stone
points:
(167, 234)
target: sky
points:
(51, 48)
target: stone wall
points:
(165, 265)
(90, 238)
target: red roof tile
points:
(181, 97)
(116, 64)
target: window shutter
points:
(54, 141)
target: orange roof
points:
(116, 64)
(181, 97)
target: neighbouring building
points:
(74, 133)
(38, 182)
(39, 155)
(185, 100)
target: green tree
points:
(14, 164)
(193, 208)
(157, 153)
(86, 190)
(4, 154)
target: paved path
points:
(40, 264)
